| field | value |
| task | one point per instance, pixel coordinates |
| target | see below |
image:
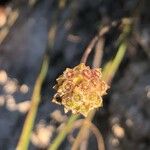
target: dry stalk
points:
(99, 37)
(94, 129)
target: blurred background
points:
(63, 29)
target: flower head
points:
(80, 89)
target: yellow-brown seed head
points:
(80, 89)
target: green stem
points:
(112, 66)
(36, 98)
(63, 133)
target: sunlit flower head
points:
(80, 89)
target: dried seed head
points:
(80, 89)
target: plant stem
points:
(110, 70)
(88, 50)
(98, 53)
(58, 140)
(35, 100)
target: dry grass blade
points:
(35, 100)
